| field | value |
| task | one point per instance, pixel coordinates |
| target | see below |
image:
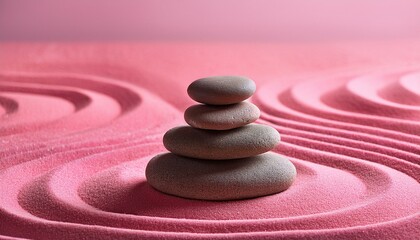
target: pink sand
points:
(79, 122)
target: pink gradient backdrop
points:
(208, 19)
(80, 120)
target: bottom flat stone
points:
(242, 178)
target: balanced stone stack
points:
(222, 155)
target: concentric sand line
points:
(73, 149)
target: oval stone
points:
(246, 141)
(251, 177)
(221, 117)
(221, 90)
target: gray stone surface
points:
(221, 90)
(251, 177)
(245, 141)
(223, 117)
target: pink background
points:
(208, 19)
(79, 121)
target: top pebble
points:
(221, 90)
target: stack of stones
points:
(222, 155)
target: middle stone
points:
(221, 117)
(246, 141)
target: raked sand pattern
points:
(74, 147)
